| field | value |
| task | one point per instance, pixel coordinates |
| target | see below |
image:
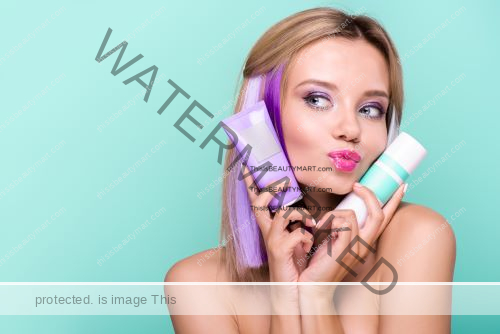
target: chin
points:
(341, 189)
(338, 186)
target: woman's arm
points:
(317, 306)
(318, 309)
(285, 310)
(283, 249)
(199, 299)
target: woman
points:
(332, 81)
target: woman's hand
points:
(340, 228)
(284, 248)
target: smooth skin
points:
(337, 97)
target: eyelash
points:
(319, 109)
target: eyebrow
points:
(332, 86)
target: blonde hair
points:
(278, 46)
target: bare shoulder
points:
(420, 243)
(415, 221)
(203, 309)
(205, 266)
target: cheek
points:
(300, 133)
(300, 125)
(373, 143)
(303, 134)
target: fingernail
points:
(357, 185)
(405, 188)
(314, 221)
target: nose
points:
(346, 126)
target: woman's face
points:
(336, 98)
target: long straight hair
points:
(244, 255)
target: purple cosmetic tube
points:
(253, 135)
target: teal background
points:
(68, 249)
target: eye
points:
(373, 111)
(317, 101)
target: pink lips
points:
(345, 160)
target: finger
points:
(309, 219)
(261, 213)
(391, 206)
(375, 213)
(300, 257)
(283, 218)
(305, 216)
(343, 220)
(297, 237)
(371, 201)
(345, 213)
(327, 219)
(260, 200)
(328, 229)
(357, 248)
(354, 224)
(343, 231)
(265, 197)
